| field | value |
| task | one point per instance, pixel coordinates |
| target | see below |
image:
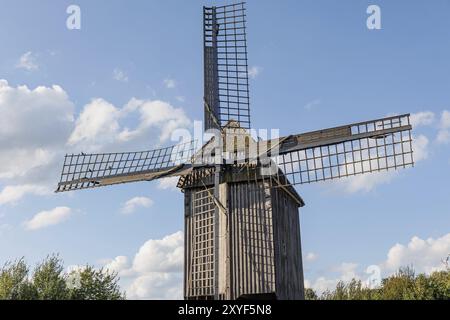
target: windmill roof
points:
(233, 127)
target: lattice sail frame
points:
(339, 152)
(359, 148)
(84, 171)
(226, 95)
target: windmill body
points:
(258, 247)
(242, 230)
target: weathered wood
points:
(259, 242)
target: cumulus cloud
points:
(100, 124)
(424, 118)
(119, 264)
(34, 127)
(157, 286)
(22, 120)
(27, 62)
(45, 219)
(168, 183)
(424, 255)
(137, 202)
(37, 126)
(162, 255)
(11, 194)
(154, 114)
(97, 124)
(156, 270)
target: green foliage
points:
(49, 279)
(403, 285)
(49, 282)
(92, 284)
(310, 294)
(14, 282)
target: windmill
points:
(242, 229)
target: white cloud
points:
(366, 182)
(17, 162)
(45, 219)
(168, 183)
(254, 72)
(97, 124)
(310, 105)
(424, 118)
(157, 286)
(37, 126)
(137, 202)
(154, 114)
(445, 119)
(311, 257)
(34, 127)
(119, 264)
(100, 124)
(156, 270)
(420, 148)
(424, 255)
(28, 62)
(348, 271)
(22, 120)
(344, 272)
(369, 181)
(162, 255)
(443, 136)
(120, 75)
(170, 83)
(11, 194)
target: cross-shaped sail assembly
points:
(242, 232)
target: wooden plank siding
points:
(259, 242)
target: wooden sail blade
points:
(83, 171)
(344, 151)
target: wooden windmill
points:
(242, 230)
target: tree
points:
(400, 286)
(92, 284)
(49, 282)
(14, 282)
(49, 279)
(403, 285)
(310, 294)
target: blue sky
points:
(317, 66)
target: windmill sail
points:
(349, 150)
(226, 87)
(84, 171)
